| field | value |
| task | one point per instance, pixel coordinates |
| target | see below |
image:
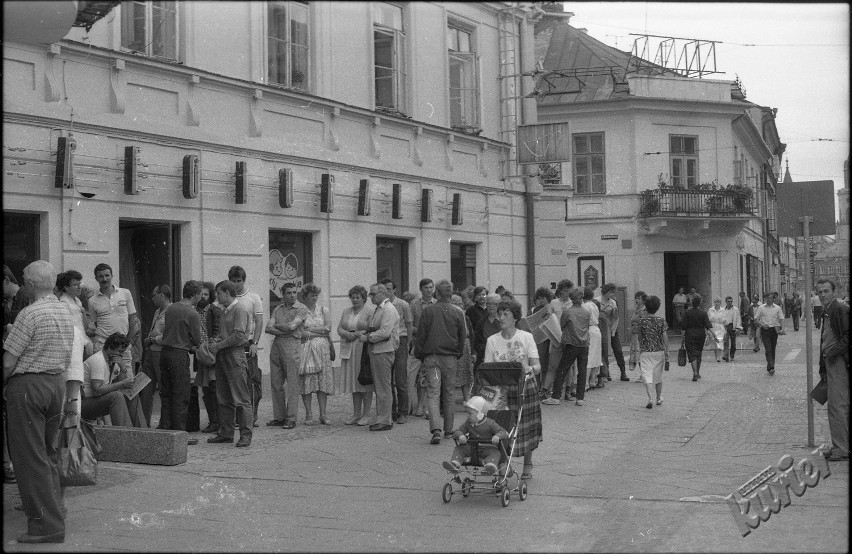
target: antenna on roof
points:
(690, 57)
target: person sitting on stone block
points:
(477, 426)
(104, 377)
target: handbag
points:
(681, 355)
(365, 376)
(78, 449)
(820, 392)
(331, 352)
(204, 356)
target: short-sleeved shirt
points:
(405, 315)
(42, 337)
(651, 332)
(679, 300)
(75, 370)
(251, 300)
(520, 348)
(769, 315)
(417, 307)
(96, 367)
(110, 313)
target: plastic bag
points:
(78, 449)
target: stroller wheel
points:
(504, 497)
(522, 490)
(447, 492)
(467, 486)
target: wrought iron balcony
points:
(666, 202)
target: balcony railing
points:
(669, 201)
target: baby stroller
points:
(473, 478)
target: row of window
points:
(589, 164)
(151, 28)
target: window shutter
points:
(477, 87)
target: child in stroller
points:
(477, 426)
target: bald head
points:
(41, 276)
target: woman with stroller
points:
(514, 345)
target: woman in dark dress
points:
(696, 328)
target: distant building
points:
(670, 180)
(833, 261)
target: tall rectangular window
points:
(462, 264)
(290, 261)
(589, 163)
(683, 156)
(392, 262)
(150, 28)
(287, 42)
(463, 84)
(389, 58)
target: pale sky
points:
(799, 64)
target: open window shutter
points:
(402, 74)
(477, 91)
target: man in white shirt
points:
(769, 318)
(112, 310)
(252, 301)
(733, 325)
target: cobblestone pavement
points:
(610, 476)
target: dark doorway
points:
(392, 262)
(290, 261)
(462, 264)
(149, 255)
(687, 270)
(21, 242)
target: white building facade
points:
(333, 142)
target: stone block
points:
(137, 445)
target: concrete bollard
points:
(138, 445)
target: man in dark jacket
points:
(440, 342)
(834, 357)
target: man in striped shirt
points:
(37, 351)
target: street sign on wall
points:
(805, 198)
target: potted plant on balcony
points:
(650, 203)
(741, 195)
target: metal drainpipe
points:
(530, 116)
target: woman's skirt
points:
(347, 377)
(529, 429)
(316, 355)
(595, 354)
(694, 343)
(719, 336)
(651, 365)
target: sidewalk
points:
(610, 476)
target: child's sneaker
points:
(452, 466)
(490, 469)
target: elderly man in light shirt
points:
(770, 318)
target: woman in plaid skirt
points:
(513, 345)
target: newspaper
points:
(138, 384)
(544, 326)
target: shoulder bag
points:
(365, 376)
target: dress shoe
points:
(402, 419)
(211, 428)
(219, 439)
(288, 424)
(381, 427)
(192, 441)
(30, 539)
(275, 423)
(625, 378)
(243, 442)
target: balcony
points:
(692, 212)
